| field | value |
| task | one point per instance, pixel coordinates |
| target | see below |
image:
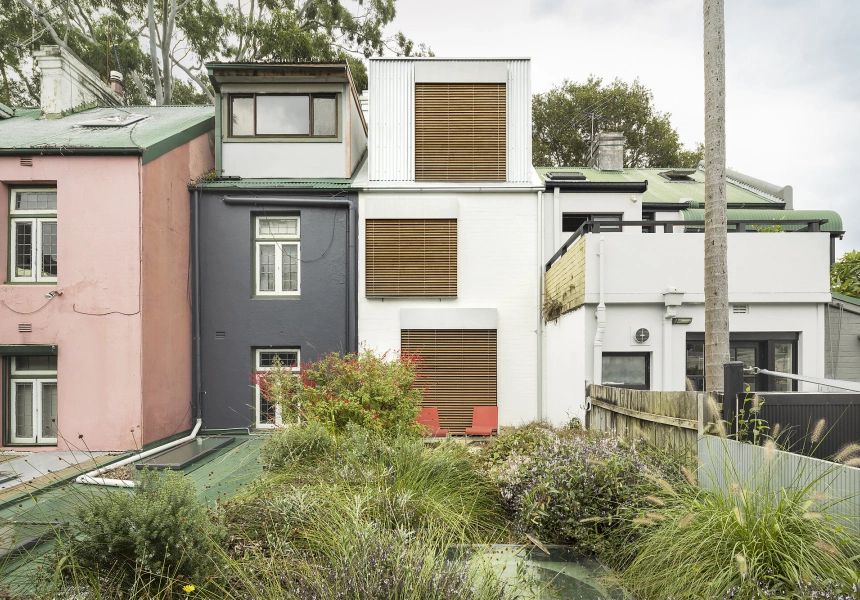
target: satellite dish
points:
(642, 335)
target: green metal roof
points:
(848, 299)
(834, 221)
(6, 112)
(661, 190)
(163, 129)
(257, 184)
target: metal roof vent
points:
(679, 175)
(566, 176)
(25, 327)
(114, 120)
(26, 161)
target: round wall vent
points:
(642, 335)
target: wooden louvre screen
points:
(459, 367)
(460, 132)
(411, 257)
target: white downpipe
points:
(93, 476)
(667, 348)
(541, 412)
(556, 219)
(601, 318)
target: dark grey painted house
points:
(275, 232)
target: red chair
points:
(485, 419)
(429, 417)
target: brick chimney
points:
(607, 151)
(116, 83)
(68, 83)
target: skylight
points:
(566, 176)
(115, 120)
(679, 174)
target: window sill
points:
(276, 297)
(283, 140)
(45, 283)
(440, 298)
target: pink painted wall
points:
(167, 361)
(96, 323)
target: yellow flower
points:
(188, 588)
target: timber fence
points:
(667, 420)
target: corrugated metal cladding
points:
(392, 130)
(519, 121)
(391, 140)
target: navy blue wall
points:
(322, 319)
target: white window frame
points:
(38, 379)
(37, 218)
(278, 241)
(257, 396)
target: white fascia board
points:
(422, 207)
(694, 298)
(449, 318)
(462, 71)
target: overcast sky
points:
(793, 74)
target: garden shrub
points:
(397, 483)
(308, 443)
(156, 530)
(366, 389)
(760, 540)
(573, 486)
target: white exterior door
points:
(34, 411)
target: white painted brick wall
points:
(497, 268)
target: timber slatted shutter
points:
(411, 257)
(460, 132)
(460, 370)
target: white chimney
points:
(364, 100)
(607, 151)
(68, 83)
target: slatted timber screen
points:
(459, 366)
(460, 132)
(411, 257)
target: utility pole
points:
(716, 236)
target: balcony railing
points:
(740, 226)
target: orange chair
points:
(429, 417)
(485, 419)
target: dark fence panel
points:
(798, 413)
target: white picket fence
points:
(724, 462)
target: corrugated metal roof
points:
(848, 299)
(662, 190)
(244, 184)
(164, 128)
(834, 221)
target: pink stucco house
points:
(95, 307)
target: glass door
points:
(33, 400)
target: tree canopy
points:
(845, 274)
(152, 42)
(561, 130)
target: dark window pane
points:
(290, 269)
(624, 370)
(695, 359)
(784, 363)
(36, 363)
(46, 201)
(243, 116)
(23, 409)
(49, 410)
(283, 115)
(49, 249)
(24, 249)
(267, 268)
(287, 358)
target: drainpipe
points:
(198, 360)
(597, 373)
(556, 218)
(672, 299)
(541, 413)
(93, 476)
